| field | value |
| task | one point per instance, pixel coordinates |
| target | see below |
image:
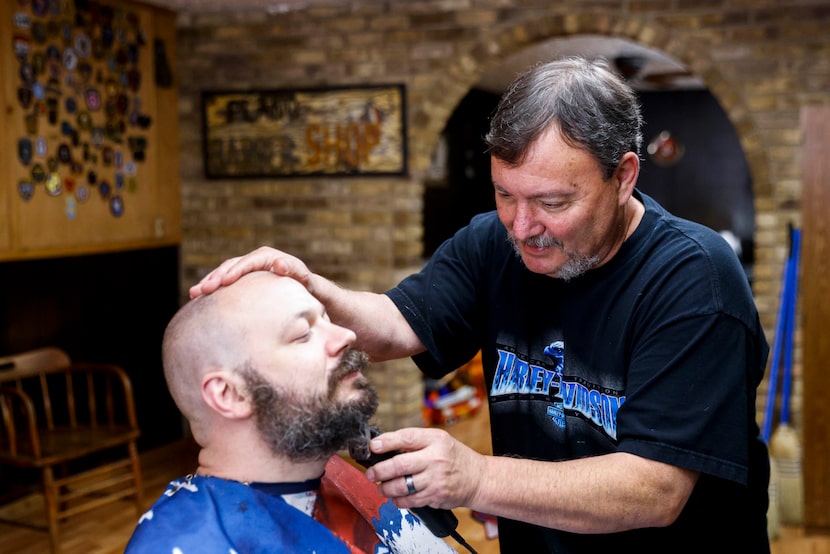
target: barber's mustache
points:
(539, 241)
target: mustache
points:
(576, 264)
(353, 361)
(538, 241)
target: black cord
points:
(462, 542)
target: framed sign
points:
(294, 133)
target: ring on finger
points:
(410, 484)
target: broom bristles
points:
(785, 443)
(785, 449)
(774, 510)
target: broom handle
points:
(780, 324)
(790, 327)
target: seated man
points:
(272, 390)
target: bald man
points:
(271, 389)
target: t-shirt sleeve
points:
(692, 412)
(445, 303)
(696, 359)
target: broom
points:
(774, 510)
(785, 445)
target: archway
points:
(705, 178)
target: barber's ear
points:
(224, 392)
(626, 174)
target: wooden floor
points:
(107, 530)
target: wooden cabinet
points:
(89, 152)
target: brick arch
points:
(466, 69)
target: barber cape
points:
(207, 515)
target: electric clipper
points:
(442, 523)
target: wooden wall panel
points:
(6, 149)
(122, 35)
(815, 303)
(167, 202)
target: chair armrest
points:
(19, 418)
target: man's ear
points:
(224, 392)
(626, 174)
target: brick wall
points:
(762, 59)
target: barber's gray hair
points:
(594, 108)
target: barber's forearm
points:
(382, 332)
(605, 494)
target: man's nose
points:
(341, 338)
(524, 224)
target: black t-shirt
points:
(657, 353)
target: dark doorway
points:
(462, 187)
(710, 183)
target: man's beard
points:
(312, 428)
(575, 264)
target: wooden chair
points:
(76, 423)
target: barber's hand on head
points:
(445, 473)
(263, 258)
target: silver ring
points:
(410, 484)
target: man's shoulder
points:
(182, 516)
(484, 239)
(207, 514)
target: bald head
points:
(219, 331)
